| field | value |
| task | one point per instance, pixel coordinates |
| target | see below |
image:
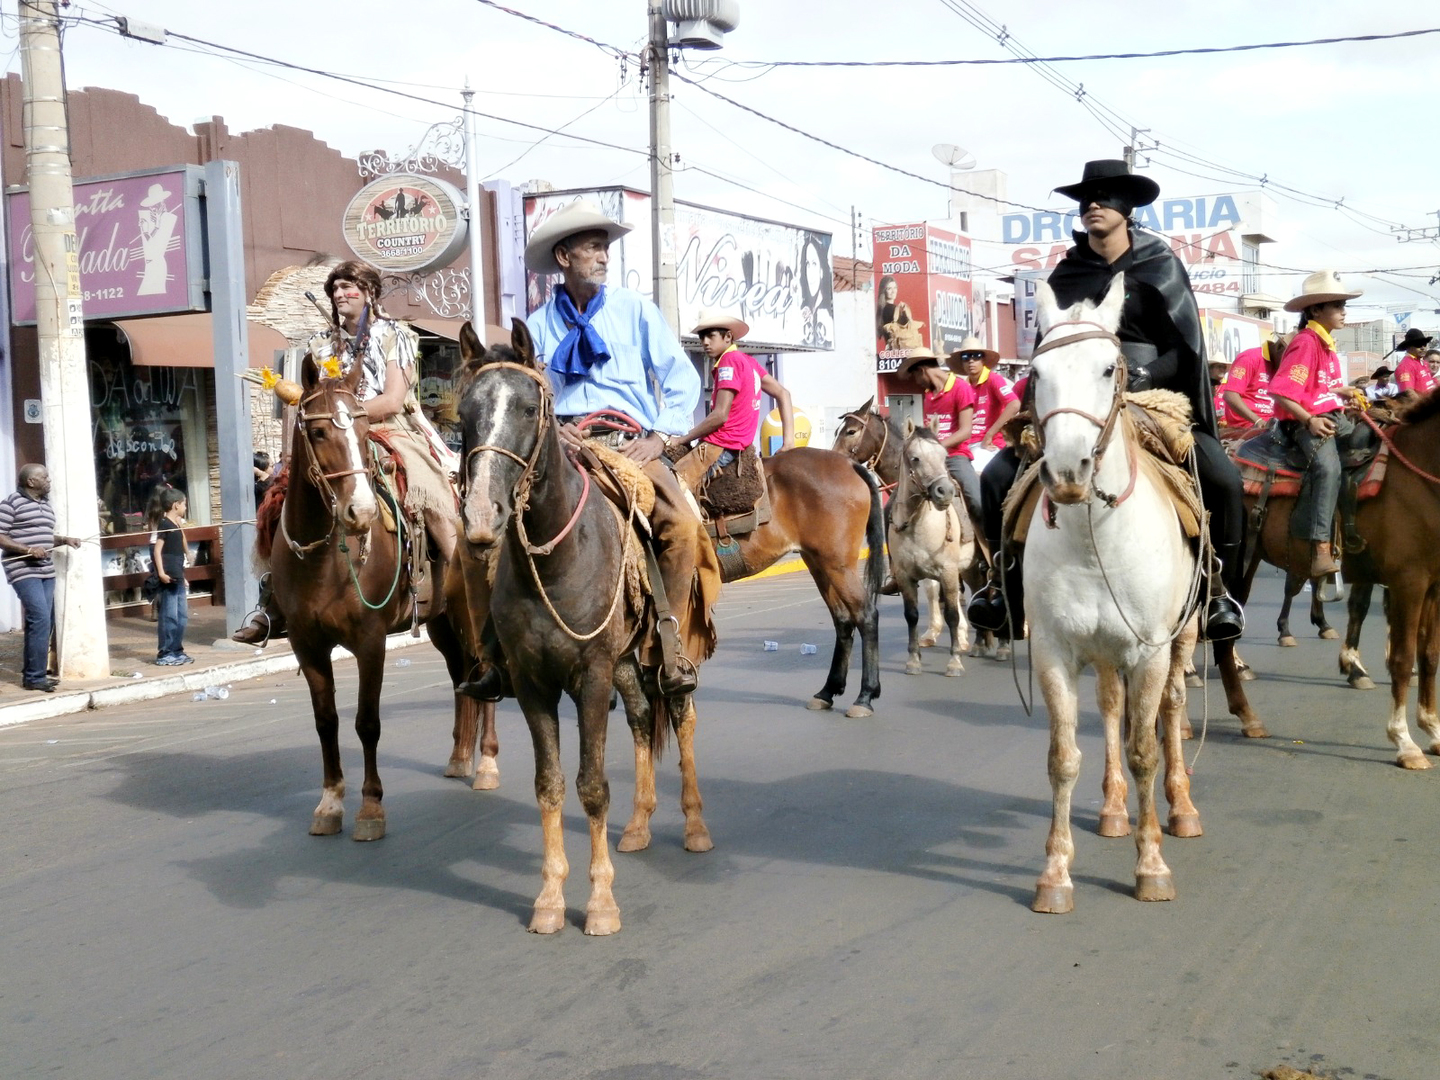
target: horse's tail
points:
(874, 538)
(660, 721)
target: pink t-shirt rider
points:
(741, 373)
(947, 405)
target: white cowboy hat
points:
(973, 344)
(714, 319)
(580, 216)
(917, 356)
(1321, 287)
(157, 194)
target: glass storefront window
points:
(439, 363)
(148, 428)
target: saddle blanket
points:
(1269, 450)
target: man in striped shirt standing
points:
(27, 534)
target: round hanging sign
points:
(406, 224)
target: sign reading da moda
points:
(923, 291)
(140, 245)
(406, 224)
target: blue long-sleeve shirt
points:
(644, 355)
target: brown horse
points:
(1400, 528)
(567, 611)
(340, 578)
(827, 508)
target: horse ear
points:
(868, 407)
(471, 347)
(523, 343)
(309, 372)
(909, 427)
(1108, 313)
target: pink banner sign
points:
(139, 246)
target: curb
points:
(64, 703)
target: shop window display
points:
(439, 365)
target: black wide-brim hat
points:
(1111, 174)
(1413, 339)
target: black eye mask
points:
(1109, 200)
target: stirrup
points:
(252, 633)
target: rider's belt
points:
(613, 439)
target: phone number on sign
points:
(103, 294)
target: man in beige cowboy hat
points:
(949, 411)
(608, 347)
(1308, 388)
(734, 417)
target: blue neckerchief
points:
(583, 347)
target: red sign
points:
(923, 291)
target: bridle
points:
(864, 422)
(918, 495)
(520, 494)
(1107, 425)
(317, 476)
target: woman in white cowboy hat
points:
(995, 400)
(734, 417)
(1308, 390)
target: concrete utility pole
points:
(60, 323)
(662, 190)
(476, 210)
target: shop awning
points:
(186, 341)
(449, 329)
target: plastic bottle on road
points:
(771, 646)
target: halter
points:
(873, 459)
(520, 494)
(1106, 426)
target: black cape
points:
(1160, 310)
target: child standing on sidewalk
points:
(168, 557)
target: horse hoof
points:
(819, 704)
(1414, 761)
(634, 840)
(326, 824)
(487, 776)
(859, 712)
(1435, 748)
(458, 769)
(1192, 680)
(1185, 826)
(1329, 634)
(1186, 731)
(1287, 641)
(547, 921)
(912, 667)
(1113, 825)
(601, 923)
(1254, 730)
(926, 643)
(698, 840)
(954, 669)
(1053, 899)
(1246, 673)
(1361, 682)
(1154, 887)
(371, 828)
(1003, 654)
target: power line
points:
(613, 50)
(993, 62)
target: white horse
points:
(1109, 575)
(929, 541)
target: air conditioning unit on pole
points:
(701, 24)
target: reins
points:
(524, 484)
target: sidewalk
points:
(218, 661)
(132, 641)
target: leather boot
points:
(492, 684)
(1322, 560)
(890, 587)
(1224, 617)
(266, 623)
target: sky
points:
(1348, 124)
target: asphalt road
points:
(865, 911)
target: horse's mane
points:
(1427, 407)
(926, 433)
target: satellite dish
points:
(957, 157)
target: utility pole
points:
(1135, 134)
(476, 204)
(60, 325)
(662, 190)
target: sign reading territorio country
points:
(405, 223)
